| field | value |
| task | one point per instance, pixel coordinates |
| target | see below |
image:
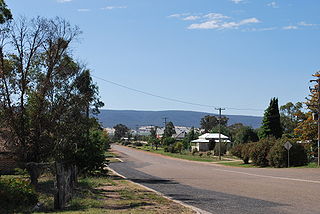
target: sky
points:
(234, 54)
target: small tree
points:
(271, 125)
(169, 130)
(245, 134)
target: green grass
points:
(239, 164)
(183, 155)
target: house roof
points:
(212, 136)
(200, 141)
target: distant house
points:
(181, 132)
(207, 141)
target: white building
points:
(206, 141)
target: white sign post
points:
(288, 146)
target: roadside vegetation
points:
(93, 195)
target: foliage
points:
(245, 134)
(120, 131)
(209, 153)
(91, 155)
(209, 121)
(192, 135)
(5, 13)
(168, 141)
(278, 155)
(16, 195)
(222, 151)
(169, 130)
(260, 150)
(242, 151)
(178, 146)
(223, 130)
(271, 125)
(290, 115)
(194, 151)
(46, 97)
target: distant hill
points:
(130, 118)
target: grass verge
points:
(110, 194)
(184, 155)
(250, 165)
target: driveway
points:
(221, 189)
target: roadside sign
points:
(287, 145)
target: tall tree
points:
(45, 96)
(290, 115)
(307, 128)
(210, 121)
(5, 13)
(271, 125)
(169, 130)
(120, 131)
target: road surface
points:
(221, 189)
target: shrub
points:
(278, 155)
(16, 195)
(194, 151)
(209, 153)
(242, 151)
(168, 141)
(137, 144)
(200, 155)
(259, 151)
(91, 156)
(178, 146)
(223, 149)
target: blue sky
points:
(229, 53)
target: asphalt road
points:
(221, 189)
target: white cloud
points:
(215, 16)
(306, 24)
(290, 27)
(178, 15)
(191, 18)
(63, 1)
(219, 24)
(237, 1)
(273, 4)
(83, 10)
(113, 7)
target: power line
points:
(172, 99)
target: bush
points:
(259, 151)
(91, 155)
(200, 155)
(223, 149)
(168, 141)
(278, 155)
(242, 151)
(16, 195)
(137, 144)
(178, 146)
(194, 151)
(209, 153)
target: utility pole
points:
(220, 109)
(317, 89)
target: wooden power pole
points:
(220, 109)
